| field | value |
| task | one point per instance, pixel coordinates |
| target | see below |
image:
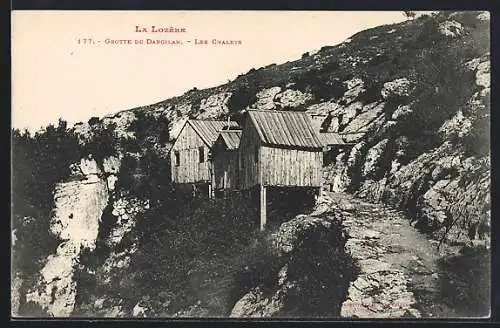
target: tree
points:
(410, 14)
(149, 130)
(93, 121)
(41, 161)
(103, 143)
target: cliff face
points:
(445, 188)
(79, 204)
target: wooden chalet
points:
(225, 158)
(279, 149)
(190, 155)
(333, 144)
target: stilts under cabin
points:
(190, 156)
(279, 151)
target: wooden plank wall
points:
(291, 167)
(220, 163)
(190, 169)
(249, 169)
(226, 169)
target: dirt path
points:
(399, 275)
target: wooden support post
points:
(263, 207)
(209, 190)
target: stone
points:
(346, 206)
(484, 16)
(290, 98)
(450, 28)
(396, 313)
(361, 284)
(458, 125)
(401, 87)
(111, 164)
(414, 312)
(122, 121)
(372, 265)
(254, 304)
(373, 157)
(404, 301)
(395, 165)
(362, 121)
(98, 304)
(114, 312)
(354, 293)
(282, 275)
(349, 112)
(214, 106)
(265, 98)
(88, 166)
(483, 77)
(286, 238)
(321, 209)
(401, 111)
(367, 301)
(472, 64)
(354, 309)
(354, 88)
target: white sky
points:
(54, 76)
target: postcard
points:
(251, 164)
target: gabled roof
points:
(285, 128)
(331, 138)
(208, 130)
(231, 138)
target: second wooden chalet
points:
(334, 144)
(226, 160)
(190, 155)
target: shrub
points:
(103, 144)
(372, 92)
(203, 241)
(94, 120)
(465, 284)
(41, 161)
(241, 98)
(126, 175)
(322, 271)
(149, 130)
(258, 265)
(321, 86)
(410, 14)
(477, 142)
(443, 87)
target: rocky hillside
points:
(412, 99)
